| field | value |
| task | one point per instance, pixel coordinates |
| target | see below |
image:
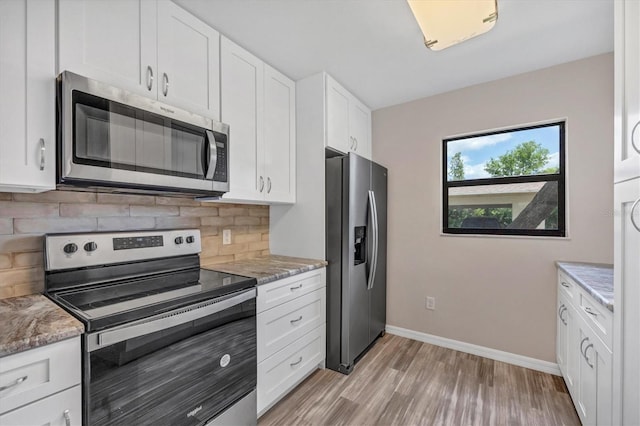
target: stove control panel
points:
(63, 251)
(127, 243)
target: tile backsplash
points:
(25, 218)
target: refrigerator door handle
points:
(374, 254)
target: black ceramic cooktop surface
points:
(111, 304)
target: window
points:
(508, 182)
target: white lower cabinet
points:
(278, 374)
(42, 385)
(583, 353)
(291, 321)
(61, 409)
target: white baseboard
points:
(508, 357)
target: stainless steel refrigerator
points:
(356, 192)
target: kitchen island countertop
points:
(268, 268)
(595, 278)
(32, 321)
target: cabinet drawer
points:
(599, 318)
(567, 287)
(48, 411)
(279, 373)
(284, 290)
(283, 324)
(39, 372)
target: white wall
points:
(494, 291)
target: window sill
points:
(517, 237)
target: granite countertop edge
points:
(270, 268)
(290, 273)
(33, 321)
(605, 300)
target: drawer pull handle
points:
(67, 418)
(16, 383)
(293, 364)
(590, 312)
(296, 320)
(298, 287)
(565, 285)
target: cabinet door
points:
(337, 113)
(594, 398)
(27, 103)
(586, 389)
(110, 41)
(567, 351)
(627, 299)
(360, 128)
(561, 336)
(279, 137)
(242, 102)
(627, 90)
(188, 61)
(61, 409)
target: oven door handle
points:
(166, 320)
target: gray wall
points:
(498, 292)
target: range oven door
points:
(184, 367)
(111, 137)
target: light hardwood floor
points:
(405, 382)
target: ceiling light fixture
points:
(448, 22)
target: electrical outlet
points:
(226, 236)
(431, 303)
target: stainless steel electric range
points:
(165, 342)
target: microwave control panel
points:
(220, 175)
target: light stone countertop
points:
(595, 278)
(268, 268)
(32, 321)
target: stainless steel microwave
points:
(112, 138)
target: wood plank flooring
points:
(405, 382)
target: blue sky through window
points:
(476, 151)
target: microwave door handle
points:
(213, 154)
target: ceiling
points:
(375, 48)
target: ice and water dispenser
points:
(360, 245)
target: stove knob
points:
(190, 239)
(179, 240)
(70, 248)
(90, 246)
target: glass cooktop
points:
(115, 303)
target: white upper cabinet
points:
(188, 61)
(348, 121)
(279, 136)
(110, 41)
(360, 125)
(627, 90)
(27, 100)
(258, 103)
(242, 100)
(150, 47)
(338, 135)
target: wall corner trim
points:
(494, 354)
